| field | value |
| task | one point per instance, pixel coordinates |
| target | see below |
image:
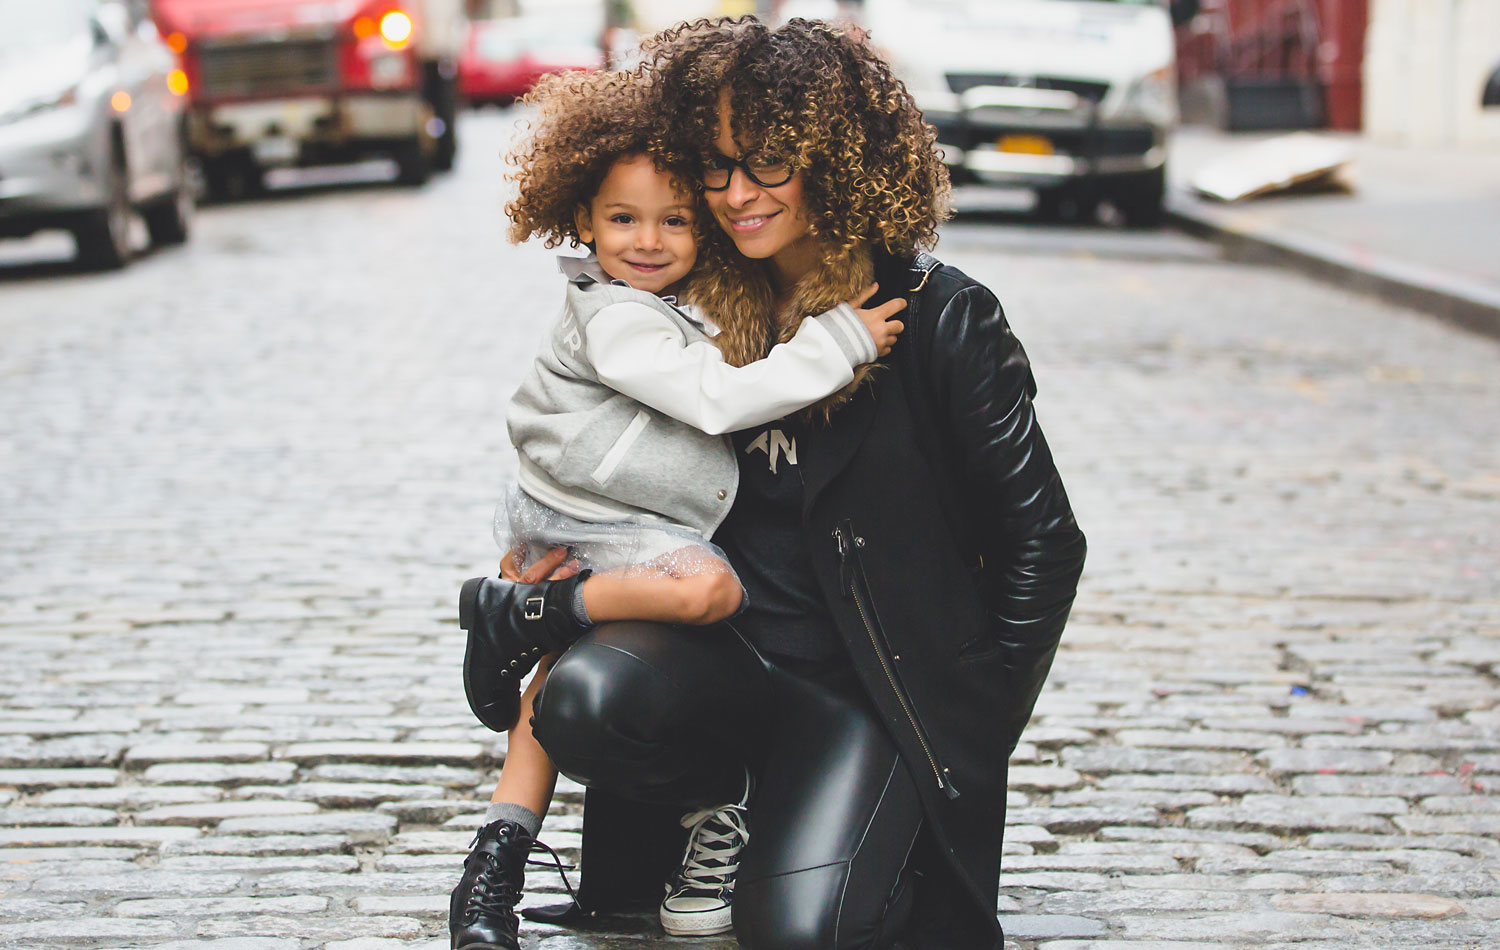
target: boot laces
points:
(715, 838)
(494, 892)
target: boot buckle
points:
(533, 609)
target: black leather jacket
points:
(948, 555)
(950, 569)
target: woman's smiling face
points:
(765, 223)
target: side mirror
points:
(1183, 11)
(111, 23)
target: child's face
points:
(641, 225)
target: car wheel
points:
(413, 164)
(232, 179)
(1140, 202)
(1066, 204)
(447, 148)
(103, 235)
(447, 144)
(168, 221)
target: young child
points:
(620, 430)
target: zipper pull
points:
(947, 785)
(842, 537)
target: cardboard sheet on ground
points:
(1299, 162)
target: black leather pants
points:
(673, 715)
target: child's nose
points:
(648, 237)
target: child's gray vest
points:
(596, 455)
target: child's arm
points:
(637, 352)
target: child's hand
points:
(878, 321)
(553, 566)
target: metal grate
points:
(259, 68)
(1092, 91)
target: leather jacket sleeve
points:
(1030, 547)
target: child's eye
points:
(678, 221)
(621, 218)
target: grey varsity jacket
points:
(623, 413)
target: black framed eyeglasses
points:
(765, 172)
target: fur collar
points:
(736, 294)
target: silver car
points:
(91, 107)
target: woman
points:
(907, 547)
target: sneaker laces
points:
(494, 893)
(715, 838)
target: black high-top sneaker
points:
(700, 894)
(511, 627)
(482, 910)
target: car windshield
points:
(30, 24)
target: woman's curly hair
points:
(585, 122)
(827, 102)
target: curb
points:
(1455, 300)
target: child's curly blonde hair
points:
(585, 122)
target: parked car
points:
(298, 83)
(503, 59)
(90, 126)
(1073, 99)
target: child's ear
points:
(585, 224)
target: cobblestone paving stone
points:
(242, 483)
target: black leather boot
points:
(482, 910)
(511, 627)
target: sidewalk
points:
(1420, 228)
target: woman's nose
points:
(742, 190)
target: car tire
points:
(169, 221)
(413, 164)
(232, 179)
(1072, 204)
(445, 109)
(447, 147)
(1141, 200)
(103, 235)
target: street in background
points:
(296, 83)
(90, 120)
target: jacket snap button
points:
(897, 658)
(723, 494)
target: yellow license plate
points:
(1025, 144)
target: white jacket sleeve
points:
(636, 351)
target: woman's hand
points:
(553, 566)
(878, 321)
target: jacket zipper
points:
(846, 540)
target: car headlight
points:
(388, 70)
(60, 100)
(1153, 97)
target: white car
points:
(90, 126)
(1071, 98)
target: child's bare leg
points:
(643, 594)
(527, 778)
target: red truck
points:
(275, 83)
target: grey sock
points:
(519, 814)
(580, 613)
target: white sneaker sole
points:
(700, 924)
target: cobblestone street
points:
(243, 480)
